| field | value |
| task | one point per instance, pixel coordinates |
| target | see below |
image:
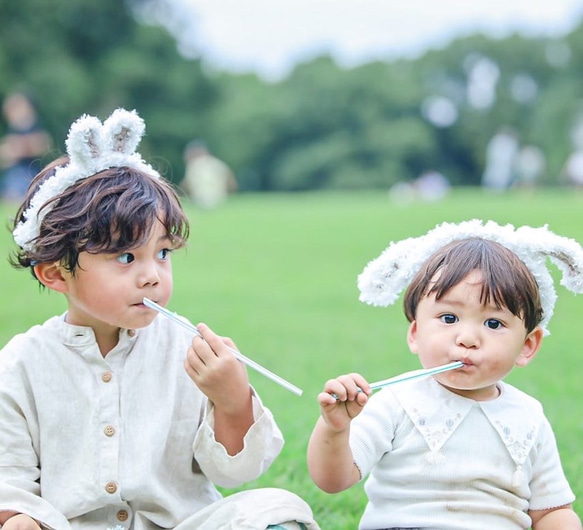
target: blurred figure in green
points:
(22, 147)
(207, 180)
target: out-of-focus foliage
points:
(91, 57)
(322, 126)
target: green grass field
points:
(277, 273)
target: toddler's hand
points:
(341, 400)
(216, 371)
(21, 522)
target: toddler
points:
(461, 449)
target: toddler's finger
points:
(352, 383)
(326, 399)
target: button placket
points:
(109, 413)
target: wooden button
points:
(109, 430)
(122, 515)
(106, 377)
(111, 487)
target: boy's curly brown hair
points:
(109, 212)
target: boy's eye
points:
(125, 258)
(164, 253)
(493, 323)
(449, 319)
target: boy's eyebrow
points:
(164, 237)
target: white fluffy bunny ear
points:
(92, 147)
(84, 142)
(571, 266)
(123, 130)
(384, 278)
(564, 252)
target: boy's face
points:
(107, 290)
(490, 341)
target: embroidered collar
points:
(437, 413)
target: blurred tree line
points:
(321, 127)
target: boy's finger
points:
(211, 338)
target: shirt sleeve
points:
(261, 445)
(19, 463)
(372, 432)
(549, 486)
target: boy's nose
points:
(149, 276)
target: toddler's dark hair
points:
(506, 280)
(109, 212)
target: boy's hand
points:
(21, 522)
(342, 401)
(217, 372)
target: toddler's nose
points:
(468, 337)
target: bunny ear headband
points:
(92, 147)
(384, 278)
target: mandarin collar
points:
(83, 336)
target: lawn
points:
(277, 273)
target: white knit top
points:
(441, 461)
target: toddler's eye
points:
(164, 253)
(449, 319)
(125, 258)
(492, 323)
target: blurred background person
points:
(432, 186)
(501, 154)
(530, 166)
(572, 171)
(22, 147)
(207, 180)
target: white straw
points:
(416, 373)
(249, 362)
(412, 375)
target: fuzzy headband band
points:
(92, 147)
(384, 278)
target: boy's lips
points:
(141, 304)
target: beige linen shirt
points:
(94, 442)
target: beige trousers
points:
(252, 510)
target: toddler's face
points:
(490, 341)
(107, 290)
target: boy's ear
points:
(532, 344)
(412, 337)
(51, 276)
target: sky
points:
(270, 36)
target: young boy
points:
(461, 449)
(110, 416)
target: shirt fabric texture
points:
(88, 441)
(438, 460)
